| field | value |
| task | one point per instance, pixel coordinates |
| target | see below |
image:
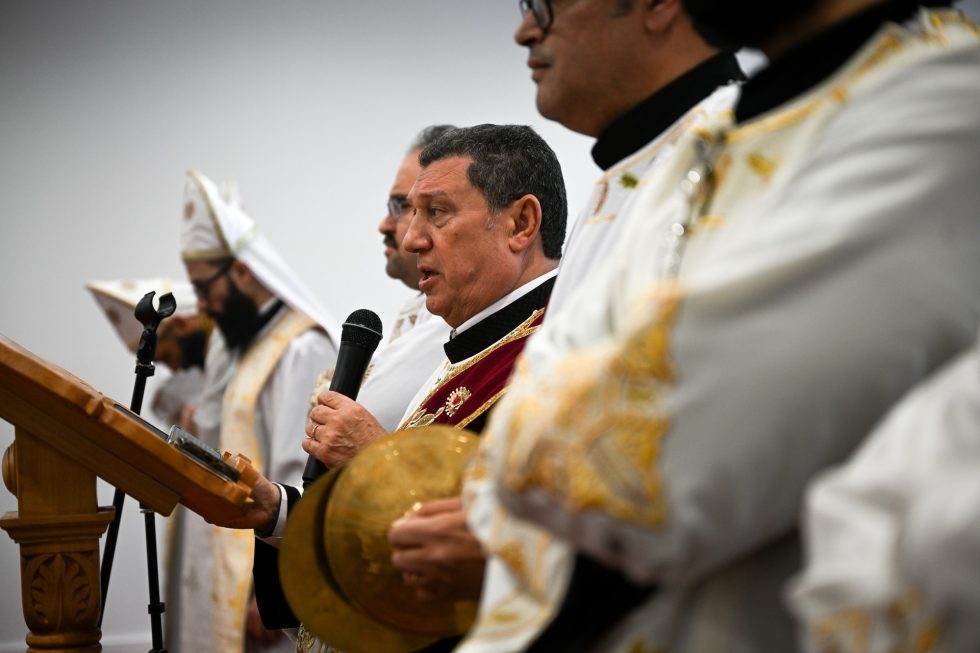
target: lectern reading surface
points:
(66, 435)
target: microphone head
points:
(362, 328)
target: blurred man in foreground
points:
(749, 331)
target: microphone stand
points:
(150, 318)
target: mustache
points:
(537, 55)
(391, 242)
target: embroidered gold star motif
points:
(628, 180)
(456, 399)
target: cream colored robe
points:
(265, 420)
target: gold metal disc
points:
(335, 560)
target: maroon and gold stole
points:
(470, 388)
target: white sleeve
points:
(890, 536)
(275, 538)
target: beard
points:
(732, 24)
(239, 321)
(393, 267)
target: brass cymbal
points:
(335, 560)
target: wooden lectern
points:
(66, 434)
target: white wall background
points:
(309, 104)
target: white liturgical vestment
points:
(892, 536)
(264, 402)
(594, 234)
(401, 367)
(785, 280)
(592, 239)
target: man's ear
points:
(240, 274)
(526, 223)
(660, 14)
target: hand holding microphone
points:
(338, 429)
(359, 338)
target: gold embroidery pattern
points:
(307, 642)
(902, 621)
(710, 221)
(322, 384)
(647, 352)
(510, 554)
(599, 219)
(628, 180)
(453, 404)
(482, 409)
(722, 168)
(598, 443)
(889, 46)
(456, 399)
(631, 174)
(420, 418)
(762, 165)
(848, 631)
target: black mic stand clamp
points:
(150, 318)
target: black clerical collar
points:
(497, 325)
(647, 120)
(815, 59)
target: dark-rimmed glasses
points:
(203, 288)
(543, 15)
(397, 206)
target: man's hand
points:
(338, 429)
(265, 507)
(256, 631)
(436, 552)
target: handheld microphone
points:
(359, 337)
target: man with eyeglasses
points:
(397, 371)
(788, 274)
(487, 224)
(635, 75)
(414, 341)
(412, 351)
(276, 339)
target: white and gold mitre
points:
(118, 299)
(214, 224)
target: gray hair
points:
(428, 135)
(509, 162)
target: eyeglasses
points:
(543, 15)
(397, 206)
(203, 288)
